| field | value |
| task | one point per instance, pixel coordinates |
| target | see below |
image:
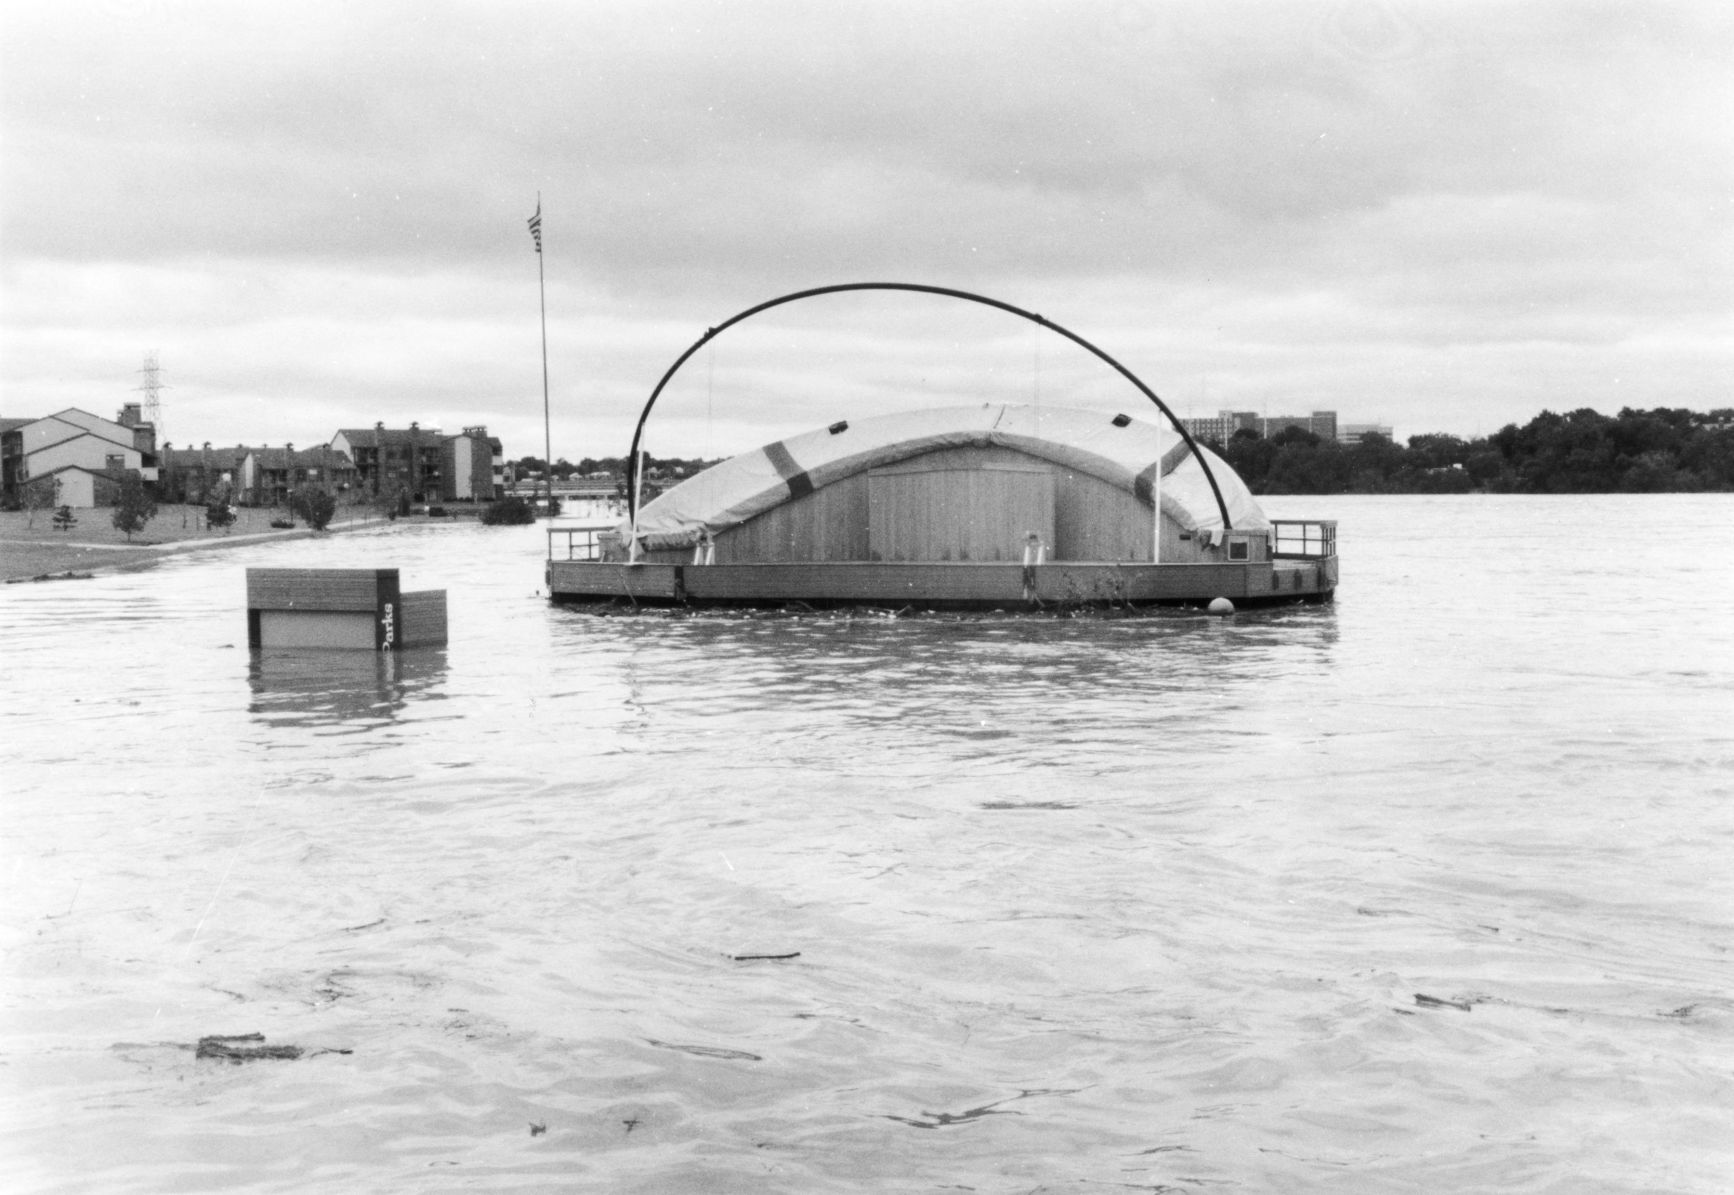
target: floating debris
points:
(234, 1048)
(1426, 1001)
(227, 1049)
(67, 576)
(537, 1129)
(747, 958)
(938, 1120)
(705, 1051)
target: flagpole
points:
(547, 425)
(637, 502)
(1156, 501)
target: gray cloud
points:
(1333, 204)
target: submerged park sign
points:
(352, 608)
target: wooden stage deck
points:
(941, 585)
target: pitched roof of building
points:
(83, 418)
(179, 458)
(305, 458)
(72, 467)
(379, 437)
(69, 429)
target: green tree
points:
(218, 509)
(1437, 451)
(1249, 454)
(134, 507)
(1486, 467)
(1305, 464)
(1374, 463)
(507, 511)
(41, 494)
(1709, 454)
(1653, 472)
(314, 505)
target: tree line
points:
(1581, 452)
(614, 466)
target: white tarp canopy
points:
(1091, 442)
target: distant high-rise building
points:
(1351, 433)
(1322, 424)
(1222, 426)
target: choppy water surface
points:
(1078, 905)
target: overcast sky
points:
(1442, 216)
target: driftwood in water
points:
(1426, 1001)
(66, 576)
(230, 1048)
(234, 1048)
(706, 1051)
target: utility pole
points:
(152, 387)
(547, 427)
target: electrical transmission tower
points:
(153, 387)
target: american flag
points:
(536, 226)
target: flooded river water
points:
(1431, 889)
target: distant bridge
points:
(590, 487)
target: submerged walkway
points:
(170, 546)
(39, 558)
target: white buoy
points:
(1221, 606)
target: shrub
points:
(42, 494)
(220, 514)
(314, 505)
(134, 507)
(393, 504)
(508, 511)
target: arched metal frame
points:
(632, 478)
